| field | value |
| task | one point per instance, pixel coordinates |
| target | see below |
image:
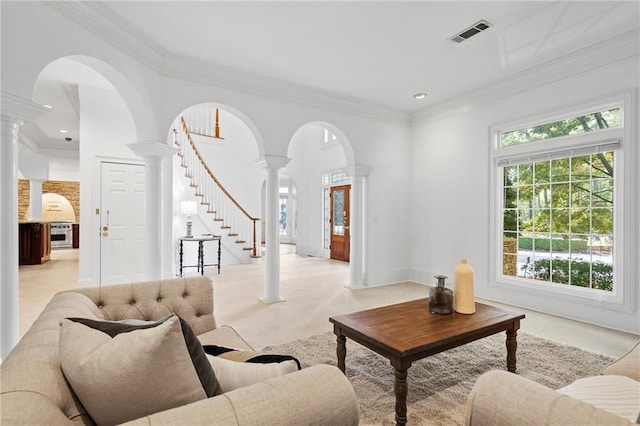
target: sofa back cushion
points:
(191, 298)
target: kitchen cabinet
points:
(34, 243)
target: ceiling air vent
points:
(471, 31)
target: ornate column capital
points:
(273, 162)
(358, 170)
(149, 150)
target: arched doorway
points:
(216, 168)
(90, 122)
(320, 154)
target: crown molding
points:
(94, 17)
(606, 52)
(21, 109)
(100, 21)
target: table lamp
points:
(189, 208)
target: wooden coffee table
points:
(407, 332)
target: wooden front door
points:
(339, 222)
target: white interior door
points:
(122, 212)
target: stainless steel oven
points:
(61, 235)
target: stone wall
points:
(510, 257)
(70, 190)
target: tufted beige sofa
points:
(33, 389)
(502, 398)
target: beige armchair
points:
(502, 398)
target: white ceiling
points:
(371, 53)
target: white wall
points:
(32, 165)
(106, 128)
(64, 169)
(450, 190)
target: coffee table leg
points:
(400, 388)
(512, 345)
(342, 352)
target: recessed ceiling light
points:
(47, 106)
(420, 95)
(63, 131)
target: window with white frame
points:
(557, 202)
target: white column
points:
(356, 226)
(15, 110)
(168, 263)
(272, 164)
(153, 154)
(9, 240)
(35, 200)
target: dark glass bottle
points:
(441, 298)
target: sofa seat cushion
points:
(225, 336)
(627, 365)
(233, 375)
(121, 371)
(617, 394)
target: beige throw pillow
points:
(233, 374)
(122, 372)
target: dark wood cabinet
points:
(76, 235)
(34, 243)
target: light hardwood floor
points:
(313, 289)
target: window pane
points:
(283, 216)
(542, 172)
(542, 220)
(559, 232)
(580, 220)
(338, 212)
(560, 195)
(560, 170)
(339, 178)
(587, 123)
(581, 168)
(542, 196)
(580, 194)
(602, 221)
(602, 192)
(602, 165)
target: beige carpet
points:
(439, 385)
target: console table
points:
(200, 263)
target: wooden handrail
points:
(222, 188)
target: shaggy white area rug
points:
(439, 385)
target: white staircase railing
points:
(224, 208)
